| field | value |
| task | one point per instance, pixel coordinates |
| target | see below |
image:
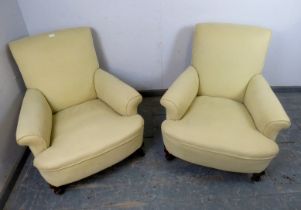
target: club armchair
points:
(76, 118)
(221, 112)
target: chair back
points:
(60, 64)
(227, 56)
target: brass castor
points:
(168, 156)
(58, 190)
(256, 177)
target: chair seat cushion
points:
(219, 133)
(87, 131)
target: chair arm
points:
(35, 122)
(265, 108)
(120, 96)
(178, 98)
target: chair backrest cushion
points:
(60, 64)
(226, 56)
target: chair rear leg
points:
(58, 190)
(168, 156)
(256, 177)
(140, 152)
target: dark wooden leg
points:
(256, 177)
(168, 156)
(58, 190)
(139, 152)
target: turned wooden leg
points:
(58, 190)
(256, 177)
(168, 156)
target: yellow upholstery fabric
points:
(227, 56)
(233, 121)
(71, 132)
(181, 94)
(267, 112)
(120, 96)
(219, 127)
(86, 132)
(60, 64)
(35, 122)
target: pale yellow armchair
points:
(221, 112)
(76, 118)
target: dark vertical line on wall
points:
(11, 183)
(161, 50)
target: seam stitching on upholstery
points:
(198, 81)
(98, 71)
(255, 75)
(129, 101)
(90, 158)
(172, 103)
(196, 78)
(223, 153)
(94, 81)
(33, 136)
(265, 127)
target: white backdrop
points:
(148, 43)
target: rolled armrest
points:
(35, 122)
(265, 108)
(120, 96)
(181, 93)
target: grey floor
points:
(151, 182)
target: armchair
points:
(76, 118)
(220, 112)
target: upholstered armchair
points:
(76, 118)
(221, 112)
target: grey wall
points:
(11, 89)
(148, 43)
